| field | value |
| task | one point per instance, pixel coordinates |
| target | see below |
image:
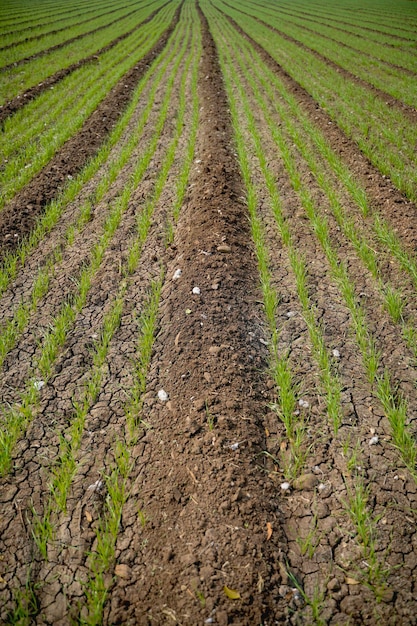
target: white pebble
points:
(234, 446)
(291, 313)
(336, 353)
(196, 291)
(162, 395)
(38, 384)
(285, 486)
(177, 274)
(373, 440)
(303, 403)
(95, 486)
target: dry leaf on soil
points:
(231, 593)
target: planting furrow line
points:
(402, 97)
(354, 29)
(35, 72)
(74, 155)
(13, 262)
(46, 33)
(62, 121)
(21, 100)
(395, 407)
(19, 315)
(39, 16)
(375, 574)
(18, 417)
(400, 61)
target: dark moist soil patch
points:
(199, 472)
(19, 216)
(20, 101)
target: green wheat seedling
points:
(329, 379)
(365, 525)
(56, 208)
(395, 409)
(147, 325)
(25, 603)
(17, 418)
(314, 601)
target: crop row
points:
(384, 133)
(177, 66)
(35, 133)
(110, 26)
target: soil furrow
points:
(19, 216)
(17, 103)
(213, 421)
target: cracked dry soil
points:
(215, 513)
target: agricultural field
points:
(208, 326)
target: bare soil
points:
(205, 473)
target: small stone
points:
(38, 384)
(373, 440)
(196, 291)
(224, 248)
(336, 353)
(215, 286)
(303, 403)
(285, 486)
(162, 395)
(177, 274)
(305, 481)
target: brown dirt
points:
(19, 216)
(200, 475)
(216, 501)
(14, 105)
